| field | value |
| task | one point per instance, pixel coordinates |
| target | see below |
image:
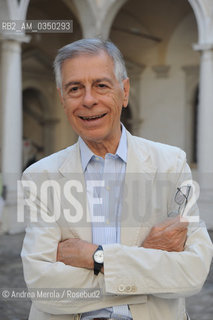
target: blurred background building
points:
(168, 50)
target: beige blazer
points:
(152, 282)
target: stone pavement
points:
(199, 307)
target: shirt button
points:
(107, 188)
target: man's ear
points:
(126, 87)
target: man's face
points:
(93, 97)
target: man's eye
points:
(73, 89)
(102, 85)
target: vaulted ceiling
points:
(139, 27)
(143, 25)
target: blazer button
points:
(121, 288)
(134, 289)
(128, 288)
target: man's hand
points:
(76, 253)
(170, 235)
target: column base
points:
(9, 223)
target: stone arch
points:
(96, 17)
(179, 50)
(4, 12)
(203, 12)
(60, 10)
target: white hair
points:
(91, 46)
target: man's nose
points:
(89, 98)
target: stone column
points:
(205, 134)
(191, 87)
(203, 10)
(11, 101)
(205, 114)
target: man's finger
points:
(179, 224)
(168, 222)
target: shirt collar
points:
(87, 154)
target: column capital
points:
(134, 69)
(203, 10)
(191, 69)
(203, 46)
(21, 38)
(161, 71)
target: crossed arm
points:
(169, 235)
(71, 265)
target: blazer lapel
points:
(71, 170)
(139, 178)
(72, 163)
(140, 174)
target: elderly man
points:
(144, 261)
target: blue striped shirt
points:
(104, 179)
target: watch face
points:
(99, 256)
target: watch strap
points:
(97, 266)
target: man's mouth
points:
(93, 117)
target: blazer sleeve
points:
(42, 271)
(137, 270)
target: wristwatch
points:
(98, 258)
